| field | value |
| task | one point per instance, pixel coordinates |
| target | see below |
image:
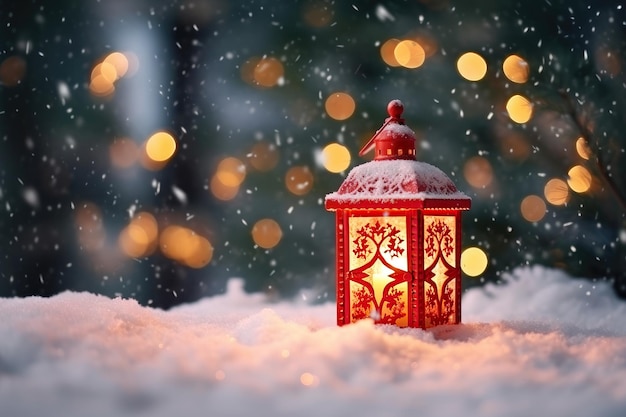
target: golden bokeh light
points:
(231, 172)
(299, 180)
(579, 179)
(266, 233)
(139, 238)
(387, 52)
(471, 66)
(478, 172)
(409, 54)
(123, 153)
(582, 147)
(106, 70)
(263, 156)
(519, 108)
(268, 72)
(556, 192)
(133, 241)
(12, 70)
(309, 380)
(100, 86)
(473, 261)
(335, 157)
(516, 69)
(533, 208)
(160, 147)
(340, 106)
(105, 73)
(222, 191)
(202, 254)
(185, 246)
(119, 61)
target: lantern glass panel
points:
(440, 273)
(378, 269)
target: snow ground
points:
(543, 344)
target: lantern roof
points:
(397, 183)
(394, 179)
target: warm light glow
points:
(266, 233)
(299, 180)
(387, 52)
(579, 179)
(516, 69)
(221, 191)
(133, 241)
(105, 74)
(263, 156)
(160, 146)
(409, 54)
(583, 148)
(268, 72)
(439, 246)
(340, 106)
(376, 284)
(556, 192)
(138, 239)
(119, 61)
(101, 86)
(471, 66)
(473, 261)
(123, 153)
(106, 70)
(478, 172)
(335, 157)
(187, 247)
(519, 108)
(231, 172)
(533, 208)
(12, 71)
(308, 379)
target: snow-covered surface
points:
(396, 179)
(398, 129)
(543, 344)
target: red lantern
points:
(398, 235)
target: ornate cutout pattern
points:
(378, 273)
(439, 270)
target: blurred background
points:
(154, 149)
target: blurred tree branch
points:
(593, 144)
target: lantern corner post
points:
(414, 310)
(459, 278)
(340, 267)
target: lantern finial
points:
(395, 109)
(394, 140)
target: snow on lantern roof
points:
(379, 183)
(394, 178)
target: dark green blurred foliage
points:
(191, 53)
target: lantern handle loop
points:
(370, 144)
